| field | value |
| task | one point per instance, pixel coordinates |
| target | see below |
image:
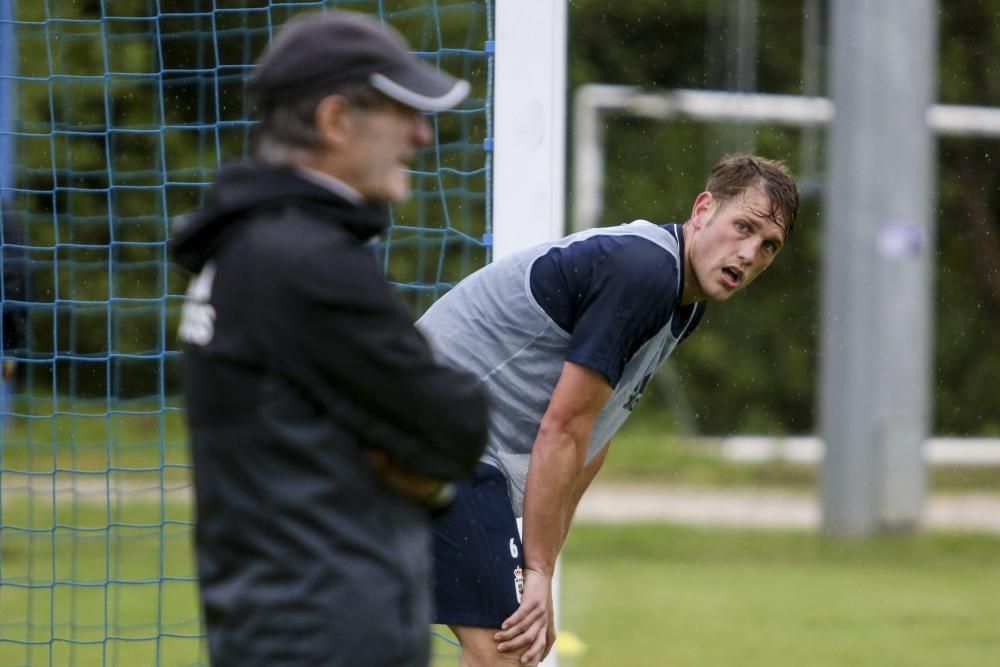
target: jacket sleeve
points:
(343, 335)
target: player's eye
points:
(742, 227)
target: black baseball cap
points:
(320, 51)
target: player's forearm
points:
(557, 459)
(550, 498)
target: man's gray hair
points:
(286, 133)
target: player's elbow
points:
(564, 434)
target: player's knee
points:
(494, 659)
(479, 649)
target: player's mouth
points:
(732, 277)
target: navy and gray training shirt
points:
(606, 298)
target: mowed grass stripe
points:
(641, 595)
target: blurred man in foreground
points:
(323, 432)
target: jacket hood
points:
(245, 187)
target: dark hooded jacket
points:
(299, 359)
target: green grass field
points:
(648, 450)
(652, 595)
(96, 564)
(114, 587)
(137, 437)
(87, 583)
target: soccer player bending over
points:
(565, 336)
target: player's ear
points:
(704, 207)
(332, 120)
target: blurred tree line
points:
(123, 121)
(752, 367)
(125, 111)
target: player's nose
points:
(749, 250)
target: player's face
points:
(729, 245)
(382, 144)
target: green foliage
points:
(111, 150)
(752, 367)
(125, 111)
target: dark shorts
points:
(478, 559)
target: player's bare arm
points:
(583, 482)
(553, 489)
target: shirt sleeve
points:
(612, 293)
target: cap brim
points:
(421, 87)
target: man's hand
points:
(531, 629)
(9, 368)
(432, 493)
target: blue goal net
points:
(114, 116)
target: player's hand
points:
(432, 493)
(9, 367)
(531, 629)
(550, 633)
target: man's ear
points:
(332, 120)
(703, 209)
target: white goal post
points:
(529, 128)
(594, 101)
(529, 122)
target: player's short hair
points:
(734, 174)
(287, 130)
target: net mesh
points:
(113, 118)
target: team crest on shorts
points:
(518, 583)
